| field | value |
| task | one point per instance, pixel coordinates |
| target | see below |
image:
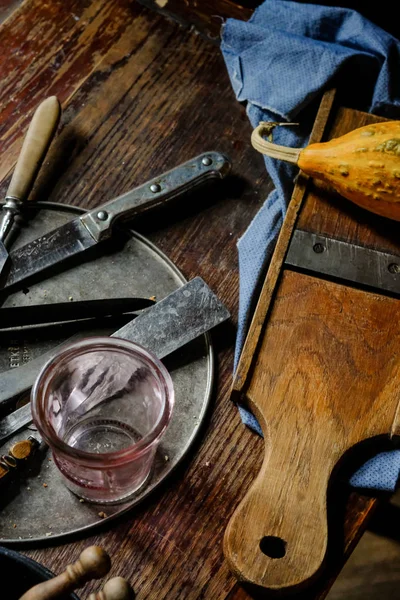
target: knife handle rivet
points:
(207, 161)
(318, 248)
(155, 188)
(394, 268)
(102, 215)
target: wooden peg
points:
(115, 589)
(93, 563)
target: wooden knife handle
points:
(115, 589)
(34, 148)
(93, 563)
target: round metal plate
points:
(29, 509)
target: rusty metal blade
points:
(47, 251)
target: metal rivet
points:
(102, 215)
(207, 161)
(394, 268)
(155, 187)
(318, 248)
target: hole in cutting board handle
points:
(272, 546)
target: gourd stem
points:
(285, 153)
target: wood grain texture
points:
(316, 394)
(206, 16)
(321, 212)
(7, 7)
(141, 94)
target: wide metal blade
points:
(176, 320)
(184, 315)
(47, 251)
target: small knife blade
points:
(176, 320)
(61, 312)
(94, 226)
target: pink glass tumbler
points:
(102, 405)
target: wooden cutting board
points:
(321, 371)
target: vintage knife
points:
(16, 317)
(176, 320)
(34, 148)
(94, 226)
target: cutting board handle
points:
(277, 537)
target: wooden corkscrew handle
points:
(115, 589)
(93, 563)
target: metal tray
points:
(129, 265)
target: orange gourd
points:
(363, 165)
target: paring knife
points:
(62, 312)
(34, 148)
(176, 320)
(94, 226)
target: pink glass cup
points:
(102, 405)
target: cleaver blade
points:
(179, 318)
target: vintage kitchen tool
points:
(34, 148)
(115, 589)
(116, 272)
(95, 226)
(93, 563)
(17, 458)
(319, 369)
(61, 312)
(181, 317)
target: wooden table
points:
(142, 92)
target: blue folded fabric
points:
(278, 63)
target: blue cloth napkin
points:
(278, 63)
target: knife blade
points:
(96, 225)
(61, 312)
(173, 322)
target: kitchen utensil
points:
(320, 369)
(34, 148)
(16, 459)
(95, 226)
(93, 563)
(176, 320)
(61, 312)
(115, 589)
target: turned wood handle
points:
(93, 563)
(36, 143)
(115, 589)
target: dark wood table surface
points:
(142, 92)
